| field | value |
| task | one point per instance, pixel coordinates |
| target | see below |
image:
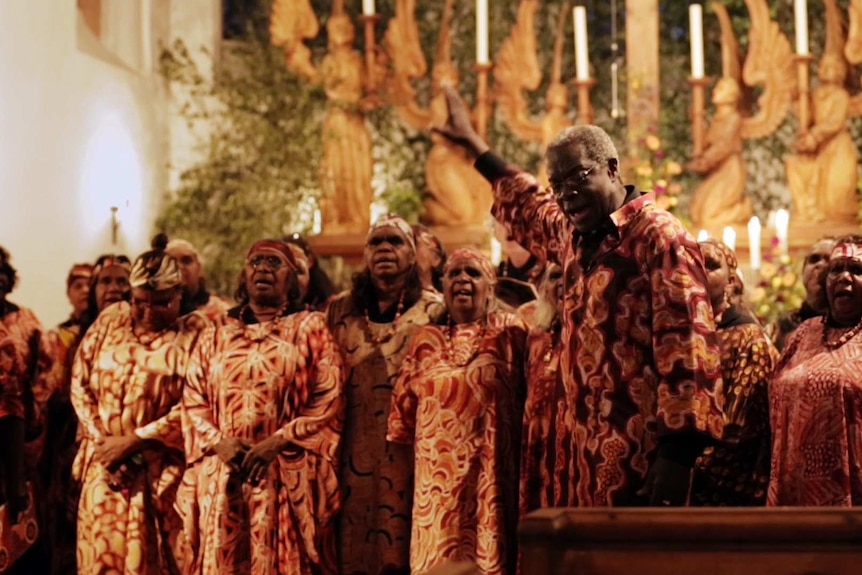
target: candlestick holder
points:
(698, 112)
(585, 109)
(804, 88)
(368, 22)
(483, 103)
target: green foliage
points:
(261, 147)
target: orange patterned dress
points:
(547, 453)
(459, 401)
(640, 353)
(735, 472)
(215, 307)
(376, 476)
(815, 409)
(252, 381)
(124, 384)
(12, 369)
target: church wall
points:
(85, 126)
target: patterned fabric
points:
(397, 222)
(155, 270)
(376, 476)
(473, 255)
(784, 324)
(459, 401)
(735, 472)
(638, 333)
(251, 382)
(214, 308)
(12, 370)
(547, 452)
(815, 408)
(125, 384)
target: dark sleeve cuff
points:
(682, 448)
(492, 166)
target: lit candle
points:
(702, 235)
(800, 10)
(615, 100)
(496, 251)
(754, 242)
(482, 32)
(368, 7)
(695, 24)
(316, 220)
(728, 236)
(582, 58)
(782, 219)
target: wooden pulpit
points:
(686, 541)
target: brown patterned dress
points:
(252, 381)
(735, 472)
(640, 355)
(815, 408)
(122, 384)
(376, 476)
(459, 402)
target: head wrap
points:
(112, 260)
(848, 248)
(79, 271)
(183, 246)
(155, 269)
(726, 253)
(397, 222)
(473, 255)
(273, 245)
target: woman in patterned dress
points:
(459, 402)
(262, 418)
(547, 458)
(815, 396)
(735, 471)
(127, 383)
(373, 324)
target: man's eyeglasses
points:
(573, 182)
(273, 262)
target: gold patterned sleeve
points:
(200, 431)
(83, 399)
(401, 424)
(746, 390)
(319, 385)
(685, 344)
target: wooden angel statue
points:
(517, 69)
(291, 23)
(346, 167)
(823, 173)
(719, 199)
(457, 195)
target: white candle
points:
(482, 32)
(695, 25)
(754, 242)
(782, 219)
(615, 100)
(800, 10)
(582, 58)
(702, 235)
(728, 236)
(496, 251)
(368, 7)
(316, 221)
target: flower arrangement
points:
(778, 289)
(654, 171)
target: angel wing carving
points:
(517, 69)
(405, 52)
(769, 64)
(291, 23)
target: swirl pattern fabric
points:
(640, 353)
(815, 409)
(251, 382)
(125, 384)
(464, 423)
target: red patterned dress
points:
(640, 354)
(815, 409)
(735, 472)
(376, 476)
(547, 452)
(252, 381)
(12, 369)
(122, 384)
(458, 400)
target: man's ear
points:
(614, 166)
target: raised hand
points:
(458, 127)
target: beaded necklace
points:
(449, 350)
(847, 336)
(391, 326)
